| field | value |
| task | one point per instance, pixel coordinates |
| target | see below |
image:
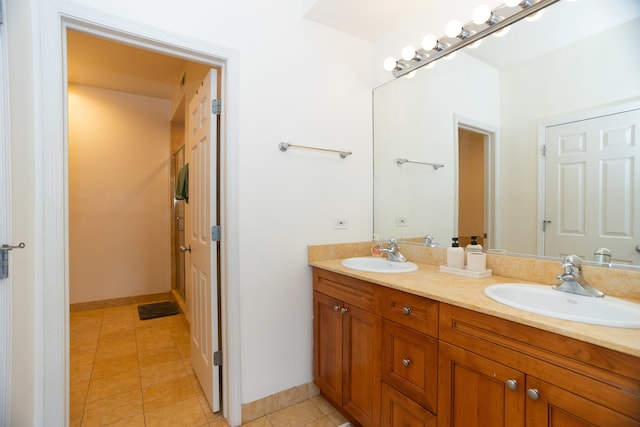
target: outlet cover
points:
(340, 223)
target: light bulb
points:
(482, 14)
(475, 44)
(390, 63)
(411, 74)
(535, 16)
(453, 29)
(408, 53)
(429, 42)
(502, 32)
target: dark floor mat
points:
(157, 309)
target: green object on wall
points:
(182, 184)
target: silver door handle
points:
(6, 247)
(185, 248)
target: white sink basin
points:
(378, 265)
(541, 299)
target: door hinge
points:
(217, 358)
(216, 106)
(215, 233)
(544, 150)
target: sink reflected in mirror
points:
(378, 265)
(541, 299)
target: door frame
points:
(492, 149)
(591, 113)
(5, 227)
(53, 353)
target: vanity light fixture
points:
(457, 36)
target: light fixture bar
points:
(477, 32)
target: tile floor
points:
(129, 372)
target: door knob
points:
(512, 384)
(185, 248)
(406, 362)
(638, 248)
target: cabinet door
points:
(410, 363)
(362, 332)
(548, 405)
(400, 411)
(327, 346)
(477, 392)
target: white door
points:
(593, 187)
(201, 213)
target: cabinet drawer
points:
(410, 363)
(352, 291)
(400, 411)
(413, 311)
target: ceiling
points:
(367, 19)
(97, 62)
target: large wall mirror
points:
(538, 134)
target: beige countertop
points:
(464, 292)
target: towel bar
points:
(284, 146)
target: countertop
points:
(468, 293)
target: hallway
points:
(129, 372)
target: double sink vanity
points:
(425, 348)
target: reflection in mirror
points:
(570, 84)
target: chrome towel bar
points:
(284, 146)
(435, 165)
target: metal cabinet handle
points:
(343, 310)
(533, 394)
(406, 362)
(336, 307)
(512, 384)
(185, 248)
(406, 310)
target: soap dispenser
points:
(474, 246)
(455, 255)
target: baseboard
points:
(116, 302)
(275, 402)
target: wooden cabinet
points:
(347, 345)
(388, 358)
(410, 347)
(493, 372)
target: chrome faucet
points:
(393, 252)
(572, 280)
(428, 242)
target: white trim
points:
(606, 110)
(5, 229)
(492, 150)
(55, 16)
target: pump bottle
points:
(455, 255)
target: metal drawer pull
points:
(533, 394)
(406, 310)
(336, 307)
(406, 362)
(343, 310)
(512, 384)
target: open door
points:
(202, 264)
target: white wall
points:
(119, 195)
(299, 82)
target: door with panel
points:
(202, 275)
(592, 187)
(477, 392)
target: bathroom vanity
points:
(429, 349)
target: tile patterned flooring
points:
(137, 373)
